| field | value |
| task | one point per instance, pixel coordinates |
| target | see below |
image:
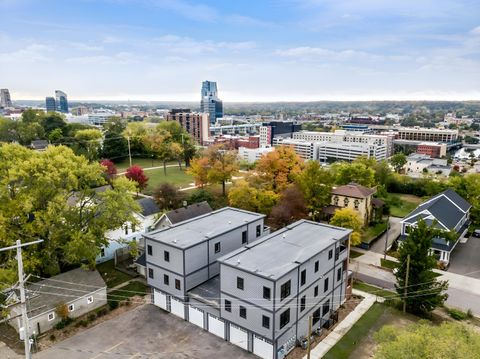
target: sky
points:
(256, 50)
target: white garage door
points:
(160, 299)
(195, 316)
(262, 347)
(238, 336)
(216, 326)
(177, 308)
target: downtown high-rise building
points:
(61, 101)
(5, 100)
(210, 103)
(50, 104)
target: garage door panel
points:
(177, 308)
(216, 326)
(262, 348)
(160, 299)
(238, 336)
(195, 316)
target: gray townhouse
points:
(271, 287)
(180, 257)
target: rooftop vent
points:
(238, 261)
(229, 222)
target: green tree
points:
(421, 278)
(426, 341)
(348, 218)
(243, 195)
(357, 172)
(56, 135)
(223, 165)
(168, 196)
(52, 121)
(49, 195)
(315, 182)
(398, 160)
(88, 143)
(115, 146)
(115, 125)
(199, 170)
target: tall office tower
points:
(210, 103)
(5, 100)
(50, 104)
(61, 101)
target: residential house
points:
(447, 211)
(82, 291)
(39, 145)
(182, 214)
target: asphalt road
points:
(393, 233)
(465, 258)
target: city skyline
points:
(286, 50)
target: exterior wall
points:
(427, 134)
(364, 210)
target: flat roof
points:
(208, 292)
(278, 253)
(199, 229)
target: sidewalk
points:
(344, 326)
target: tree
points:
(423, 340)
(168, 196)
(357, 172)
(201, 195)
(52, 121)
(199, 170)
(315, 182)
(290, 208)
(115, 146)
(421, 278)
(110, 171)
(348, 218)
(115, 125)
(398, 160)
(56, 135)
(222, 164)
(62, 311)
(88, 143)
(245, 196)
(158, 142)
(136, 174)
(49, 195)
(279, 168)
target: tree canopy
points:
(348, 218)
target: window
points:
(335, 200)
(166, 279)
(150, 273)
(339, 274)
(316, 266)
(266, 293)
(326, 307)
(243, 312)
(265, 322)
(302, 303)
(240, 283)
(325, 285)
(177, 284)
(149, 250)
(259, 230)
(217, 247)
(244, 237)
(330, 254)
(102, 252)
(284, 318)
(315, 291)
(89, 300)
(71, 307)
(228, 305)
(316, 316)
(303, 277)
(356, 203)
(166, 256)
(345, 201)
(126, 229)
(51, 316)
(285, 290)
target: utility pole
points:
(129, 152)
(309, 346)
(386, 238)
(21, 282)
(406, 285)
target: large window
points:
(243, 312)
(217, 247)
(315, 291)
(244, 237)
(259, 230)
(166, 279)
(266, 293)
(302, 303)
(166, 256)
(330, 254)
(265, 322)
(228, 305)
(150, 273)
(345, 201)
(285, 290)
(149, 250)
(339, 274)
(177, 284)
(284, 318)
(303, 277)
(316, 266)
(326, 307)
(316, 316)
(240, 283)
(325, 285)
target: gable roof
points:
(47, 294)
(353, 190)
(189, 212)
(447, 208)
(147, 206)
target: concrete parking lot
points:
(144, 332)
(465, 258)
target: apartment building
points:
(427, 134)
(271, 287)
(196, 124)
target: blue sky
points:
(263, 50)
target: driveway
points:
(393, 233)
(465, 258)
(144, 332)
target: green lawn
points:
(364, 287)
(110, 275)
(129, 290)
(386, 263)
(402, 204)
(174, 175)
(372, 232)
(344, 348)
(355, 254)
(142, 162)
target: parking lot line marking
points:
(108, 350)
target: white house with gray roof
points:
(447, 211)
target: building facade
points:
(61, 101)
(328, 152)
(210, 103)
(252, 155)
(427, 134)
(356, 197)
(272, 129)
(306, 150)
(5, 99)
(434, 150)
(196, 124)
(50, 104)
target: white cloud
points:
(193, 11)
(31, 53)
(188, 46)
(85, 47)
(475, 31)
(121, 58)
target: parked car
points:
(476, 233)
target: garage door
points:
(216, 326)
(160, 299)
(238, 336)
(195, 316)
(177, 308)
(262, 347)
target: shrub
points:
(101, 312)
(91, 317)
(457, 314)
(52, 337)
(469, 314)
(60, 325)
(112, 304)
